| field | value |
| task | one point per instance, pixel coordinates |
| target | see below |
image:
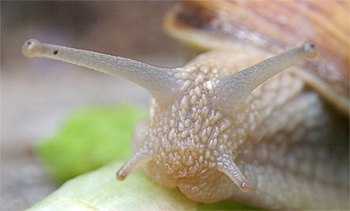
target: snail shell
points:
(270, 26)
(230, 124)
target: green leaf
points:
(90, 138)
(225, 205)
(99, 190)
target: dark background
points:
(36, 94)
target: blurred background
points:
(36, 94)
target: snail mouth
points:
(209, 187)
(158, 174)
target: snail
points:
(236, 123)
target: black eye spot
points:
(309, 46)
(55, 52)
(29, 43)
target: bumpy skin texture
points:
(286, 141)
(213, 129)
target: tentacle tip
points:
(120, 175)
(31, 48)
(135, 161)
(310, 49)
(229, 168)
(245, 187)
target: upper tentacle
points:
(232, 90)
(160, 82)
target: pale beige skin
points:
(216, 132)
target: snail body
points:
(231, 125)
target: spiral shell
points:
(270, 26)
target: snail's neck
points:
(263, 101)
(297, 139)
